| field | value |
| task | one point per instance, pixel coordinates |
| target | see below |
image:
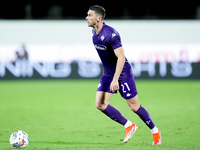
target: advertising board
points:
(44, 49)
(150, 61)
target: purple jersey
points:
(105, 43)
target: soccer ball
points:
(19, 139)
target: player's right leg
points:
(103, 96)
(102, 99)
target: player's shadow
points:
(5, 142)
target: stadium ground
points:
(61, 114)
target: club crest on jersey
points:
(102, 38)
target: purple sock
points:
(115, 114)
(144, 115)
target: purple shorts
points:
(127, 87)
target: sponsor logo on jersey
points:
(100, 47)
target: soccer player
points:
(117, 75)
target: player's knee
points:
(101, 107)
(134, 104)
(134, 107)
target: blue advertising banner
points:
(23, 69)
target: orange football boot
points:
(157, 138)
(130, 131)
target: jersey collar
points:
(100, 30)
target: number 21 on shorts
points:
(123, 87)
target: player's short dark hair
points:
(99, 10)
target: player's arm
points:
(120, 64)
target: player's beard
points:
(91, 24)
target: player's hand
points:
(114, 86)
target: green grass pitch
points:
(61, 114)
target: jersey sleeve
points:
(115, 41)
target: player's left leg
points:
(129, 92)
(146, 118)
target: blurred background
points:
(60, 9)
(51, 40)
